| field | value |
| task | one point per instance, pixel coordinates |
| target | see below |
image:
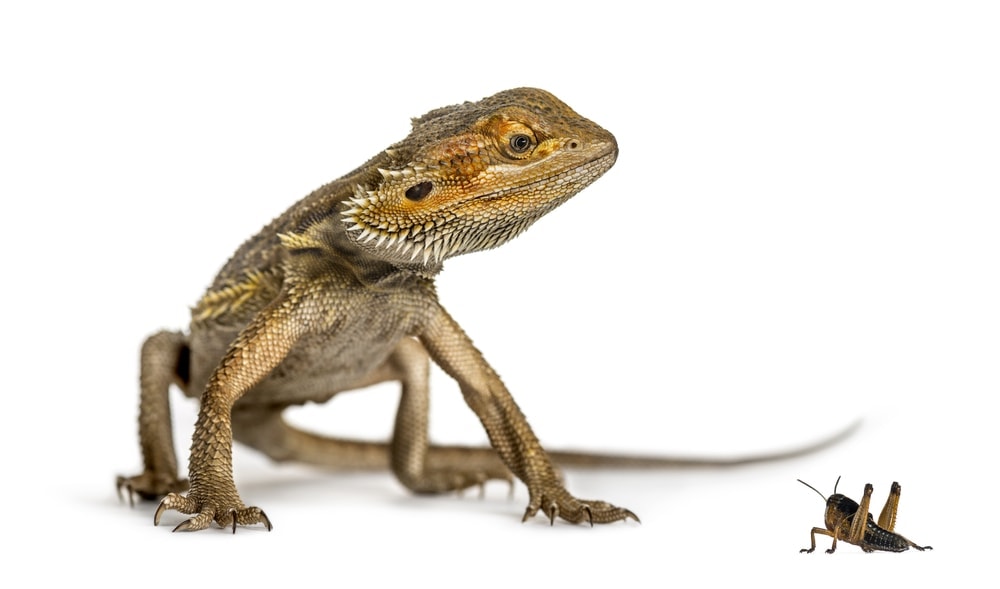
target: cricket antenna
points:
(814, 488)
(835, 485)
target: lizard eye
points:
(520, 143)
(418, 192)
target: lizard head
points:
(472, 176)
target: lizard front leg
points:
(507, 427)
(261, 346)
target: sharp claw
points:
(124, 483)
(265, 520)
(183, 526)
(553, 514)
(590, 514)
(629, 514)
(159, 511)
(528, 514)
(232, 514)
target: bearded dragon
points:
(338, 293)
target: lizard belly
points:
(321, 364)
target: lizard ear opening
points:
(419, 192)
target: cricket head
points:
(840, 509)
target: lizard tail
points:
(487, 457)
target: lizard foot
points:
(149, 485)
(205, 511)
(466, 480)
(560, 504)
(446, 480)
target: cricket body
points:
(848, 521)
(338, 293)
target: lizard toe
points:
(559, 504)
(148, 485)
(206, 511)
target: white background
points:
(801, 230)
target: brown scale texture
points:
(337, 293)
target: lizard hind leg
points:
(163, 361)
(420, 467)
(264, 429)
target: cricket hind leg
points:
(419, 466)
(912, 544)
(164, 360)
(859, 523)
(887, 517)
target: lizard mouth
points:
(595, 167)
(496, 223)
(481, 222)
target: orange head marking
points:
(472, 176)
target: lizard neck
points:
(318, 232)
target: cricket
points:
(848, 521)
